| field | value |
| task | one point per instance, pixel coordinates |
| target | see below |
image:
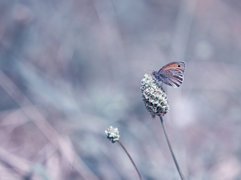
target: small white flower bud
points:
(112, 134)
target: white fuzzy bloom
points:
(112, 134)
(154, 97)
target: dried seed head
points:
(154, 97)
(112, 134)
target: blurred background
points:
(70, 69)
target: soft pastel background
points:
(71, 68)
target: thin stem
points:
(132, 161)
(170, 148)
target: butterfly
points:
(171, 74)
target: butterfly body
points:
(171, 74)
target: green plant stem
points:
(132, 161)
(170, 148)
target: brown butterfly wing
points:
(172, 73)
(177, 66)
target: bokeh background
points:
(70, 69)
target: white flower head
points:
(112, 134)
(154, 96)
